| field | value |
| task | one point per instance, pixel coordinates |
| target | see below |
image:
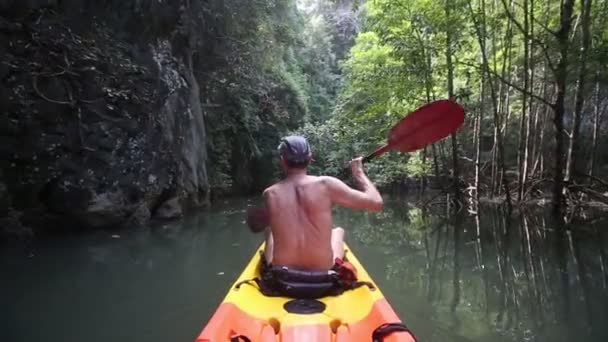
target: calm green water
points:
(449, 279)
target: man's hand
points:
(356, 166)
(257, 219)
(359, 176)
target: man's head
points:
(295, 152)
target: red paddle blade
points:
(428, 124)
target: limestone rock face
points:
(170, 209)
(100, 111)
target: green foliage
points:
(286, 69)
(273, 68)
(393, 68)
(417, 166)
(249, 70)
(399, 62)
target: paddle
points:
(426, 125)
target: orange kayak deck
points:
(246, 314)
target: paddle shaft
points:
(376, 153)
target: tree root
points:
(46, 98)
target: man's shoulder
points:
(324, 180)
(271, 189)
(329, 180)
(320, 178)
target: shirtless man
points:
(299, 210)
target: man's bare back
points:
(300, 217)
(301, 222)
(298, 210)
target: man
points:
(298, 211)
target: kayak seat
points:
(282, 281)
(295, 283)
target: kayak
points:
(359, 314)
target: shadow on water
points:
(491, 277)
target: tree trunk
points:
(450, 67)
(596, 124)
(436, 165)
(531, 67)
(561, 78)
(478, 144)
(482, 106)
(504, 124)
(500, 127)
(503, 180)
(539, 122)
(499, 168)
(573, 148)
(523, 138)
(428, 80)
(542, 142)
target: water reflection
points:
(156, 285)
(494, 276)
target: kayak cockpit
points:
(246, 314)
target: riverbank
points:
(430, 196)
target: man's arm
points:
(367, 198)
(257, 217)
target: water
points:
(451, 279)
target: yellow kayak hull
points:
(352, 316)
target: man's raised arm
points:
(367, 198)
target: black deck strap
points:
(237, 286)
(240, 338)
(388, 328)
(304, 276)
(358, 284)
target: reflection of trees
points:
(497, 274)
(391, 227)
(602, 259)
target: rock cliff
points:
(101, 121)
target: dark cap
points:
(295, 149)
